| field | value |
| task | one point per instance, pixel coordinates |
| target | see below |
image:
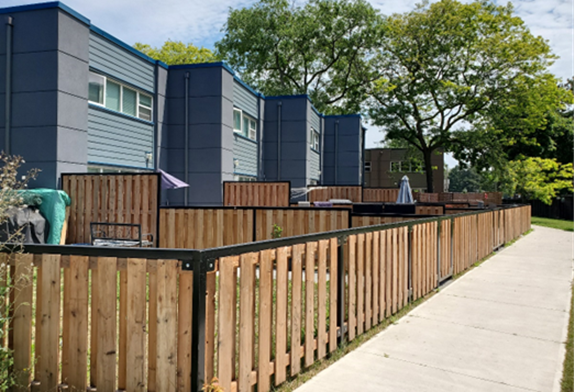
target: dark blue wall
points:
(49, 92)
(343, 146)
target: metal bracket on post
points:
(199, 320)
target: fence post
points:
(438, 252)
(452, 246)
(199, 321)
(340, 288)
(409, 263)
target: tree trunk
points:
(428, 169)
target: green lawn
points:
(553, 223)
(567, 382)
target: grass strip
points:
(567, 381)
(553, 223)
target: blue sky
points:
(200, 22)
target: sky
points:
(200, 22)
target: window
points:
(115, 96)
(244, 178)
(405, 167)
(395, 167)
(367, 166)
(314, 139)
(245, 125)
(96, 88)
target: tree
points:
(176, 52)
(320, 49)
(534, 120)
(464, 180)
(445, 65)
(538, 178)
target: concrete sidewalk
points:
(500, 327)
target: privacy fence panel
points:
(380, 195)
(294, 222)
(371, 220)
(326, 193)
(113, 198)
(257, 194)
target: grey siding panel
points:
(245, 100)
(120, 64)
(116, 140)
(314, 165)
(315, 121)
(246, 152)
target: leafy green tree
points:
(464, 180)
(320, 49)
(445, 65)
(538, 178)
(176, 52)
(534, 120)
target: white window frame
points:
(314, 139)
(244, 178)
(122, 87)
(251, 133)
(398, 166)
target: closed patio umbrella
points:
(404, 196)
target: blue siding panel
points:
(246, 152)
(116, 140)
(314, 165)
(120, 64)
(245, 100)
(315, 121)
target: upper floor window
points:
(367, 166)
(314, 139)
(245, 125)
(118, 97)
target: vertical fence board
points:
(265, 320)
(49, 322)
(309, 302)
(321, 299)
(352, 308)
(166, 364)
(75, 341)
(185, 314)
(375, 278)
(136, 324)
(226, 329)
(106, 320)
(360, 283)
(368, 273)
(22, 319)
(333, 274)
(246, 320)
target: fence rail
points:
(262, 312)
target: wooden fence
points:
(100, 322)
(125, 319)
(203, 228)
(114, 198)
(493, 198)
(326, 193)
(257, 194)
(381, 195)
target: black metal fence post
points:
(199, 322)
(340, 289)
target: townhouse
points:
(73, 98)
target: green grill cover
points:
(53, 208)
